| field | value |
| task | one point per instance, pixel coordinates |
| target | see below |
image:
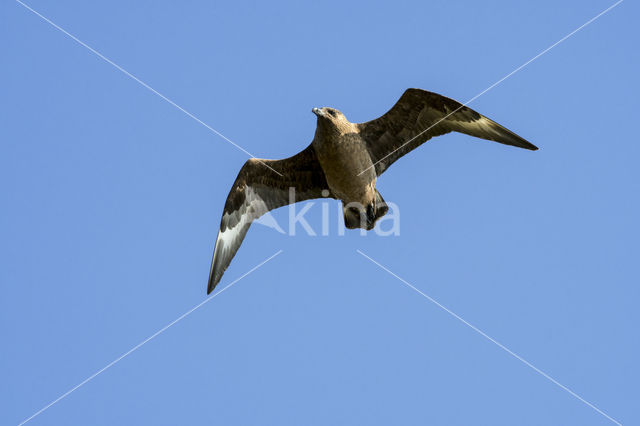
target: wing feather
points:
(420, 115)
(257, 190)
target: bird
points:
(343, 162)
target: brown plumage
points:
(343, 162)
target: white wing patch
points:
(482, 126)
(236, 224)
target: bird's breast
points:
(344, 159)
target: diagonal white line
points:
(497, 82)
(136, 347)
(500, 345)
(145, 85)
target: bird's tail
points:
(381, 206)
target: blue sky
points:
(111, 200)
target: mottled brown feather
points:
(420, 115)
(301, 172)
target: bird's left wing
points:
(420, 115)
(257, 190)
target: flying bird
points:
(343, 162)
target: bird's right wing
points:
(257, 190)
(420, 115)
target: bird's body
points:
(344, 161)
(342, 157)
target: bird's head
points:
(332, 120)
(330, 114)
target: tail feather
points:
(381, 206)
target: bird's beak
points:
(318, 112)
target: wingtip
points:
(211, 286)
(521, 143)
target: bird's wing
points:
(258, 189)
(420, 115)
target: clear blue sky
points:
(111, 200)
